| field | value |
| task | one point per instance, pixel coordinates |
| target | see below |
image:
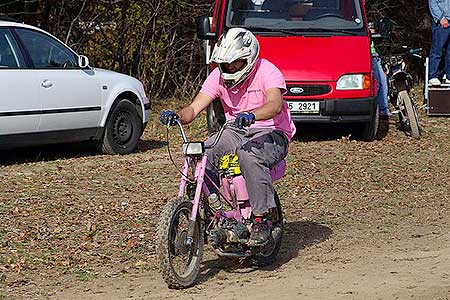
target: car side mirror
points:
(83, 61)
(204, 29)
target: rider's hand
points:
(444, 23)
(168, 117)
(244, 119)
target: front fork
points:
(199, 178)
(398, 83)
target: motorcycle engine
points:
(217, 237)
(227, 232)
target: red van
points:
(321, 46)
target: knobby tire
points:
(166, 246)
(411, 115)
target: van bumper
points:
(339, 111)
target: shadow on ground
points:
(63, 151)
(332, 132)
(383, 129)
(148, 145)
(297, 236)
(322, 132)
(300, 235)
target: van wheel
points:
(215, 116)
(370, 129)
(122, 130)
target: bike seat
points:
(278, 171)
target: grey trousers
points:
(258, 149)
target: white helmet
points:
(236, 43)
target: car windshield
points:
(344, 16)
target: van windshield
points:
(296, 15)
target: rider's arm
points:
(188, 113)
(272, 107)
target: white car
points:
(50, 94)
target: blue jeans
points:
(380, 77)
(440, 39)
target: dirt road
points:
(414, 268)
(364, 221)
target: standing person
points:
(250, 90)
(380, 76)
(440, 12)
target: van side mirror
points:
(204, 29)
(83, 62)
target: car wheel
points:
(122, 130)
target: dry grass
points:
(70, 214)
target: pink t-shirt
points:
(251, 94)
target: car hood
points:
(111, 75)
(119, 81)
(305, 58)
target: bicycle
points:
(198, 216)
(400, 83)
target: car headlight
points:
(353, 82)
(193, 148)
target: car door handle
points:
(46, 84)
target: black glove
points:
(168, 117)
(244, 119)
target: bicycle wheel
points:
(179, 262)
(411, 115)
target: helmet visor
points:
(233, 67)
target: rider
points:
(250, 90)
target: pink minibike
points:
(197, 216)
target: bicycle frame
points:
(234, 188)
(199, 177)
(401, 82)
(399, 77)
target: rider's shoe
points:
(385, 114)
(259, 234)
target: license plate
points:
(304, 107)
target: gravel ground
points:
(80, 225)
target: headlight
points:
(353, 82)
(393, 60)
(193, 148)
